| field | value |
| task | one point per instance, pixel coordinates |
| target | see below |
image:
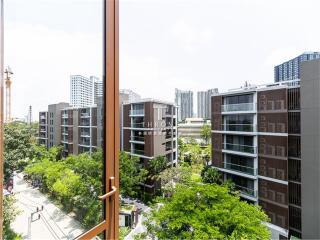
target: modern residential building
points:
(256, 144)
(54, 123)
(204, 103)
(290, 70)
(43, 129)
(150, 130)
(191, 128)
(126, 96)
(79, 130)
(184, 101)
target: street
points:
(53, 223)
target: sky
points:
(164, 44)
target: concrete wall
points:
(310, 144)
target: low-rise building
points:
(191, 128)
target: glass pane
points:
(54, 119)
(206, 91)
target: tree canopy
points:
(131, 174)
(18, 146)
(206, 133)
(206, 211)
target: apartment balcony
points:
(239, 127)
(65, 115)
(43, 135)
(240, 148)
(246, 191)
(137, 125)
(84, 142)
(137, 112)
(85, 115)
(240, 168)
(84, 123)
(43, 129)
(43, 117)
(65, 122)
(240, 107)
(137, 151)
(170, 136)
(139, 139)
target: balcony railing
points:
(240, 107)
(42, 129)
(85, 115)
(137, 138)
(240, 148)
(85, 134)
(86, 143)
(240, 168)
(137, 151)
(137, 125)
(246, 191)
(137, 112)
(84, 123)
(65, 115)
(239, 127)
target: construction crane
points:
(8, 83)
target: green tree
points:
(10, 212)
(211, 175)
(157, 165)
(170, 177)
(18, 147)
(206, 211)
(206, 133)
(131, 174)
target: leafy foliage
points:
(157, 165)
(18, 147)
(9, 215)
(75, 181)
(205, 211)
(131, 174)
(170, 177)
(206, 133)
(211, 175)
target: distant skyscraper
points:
(81, 91)
(290, 70)
(204, 103)
(184, 101)
(85, 91)
(98, 88)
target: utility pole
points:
(8, 82)
(30, 115)
(1, 115)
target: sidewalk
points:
(53, 223)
